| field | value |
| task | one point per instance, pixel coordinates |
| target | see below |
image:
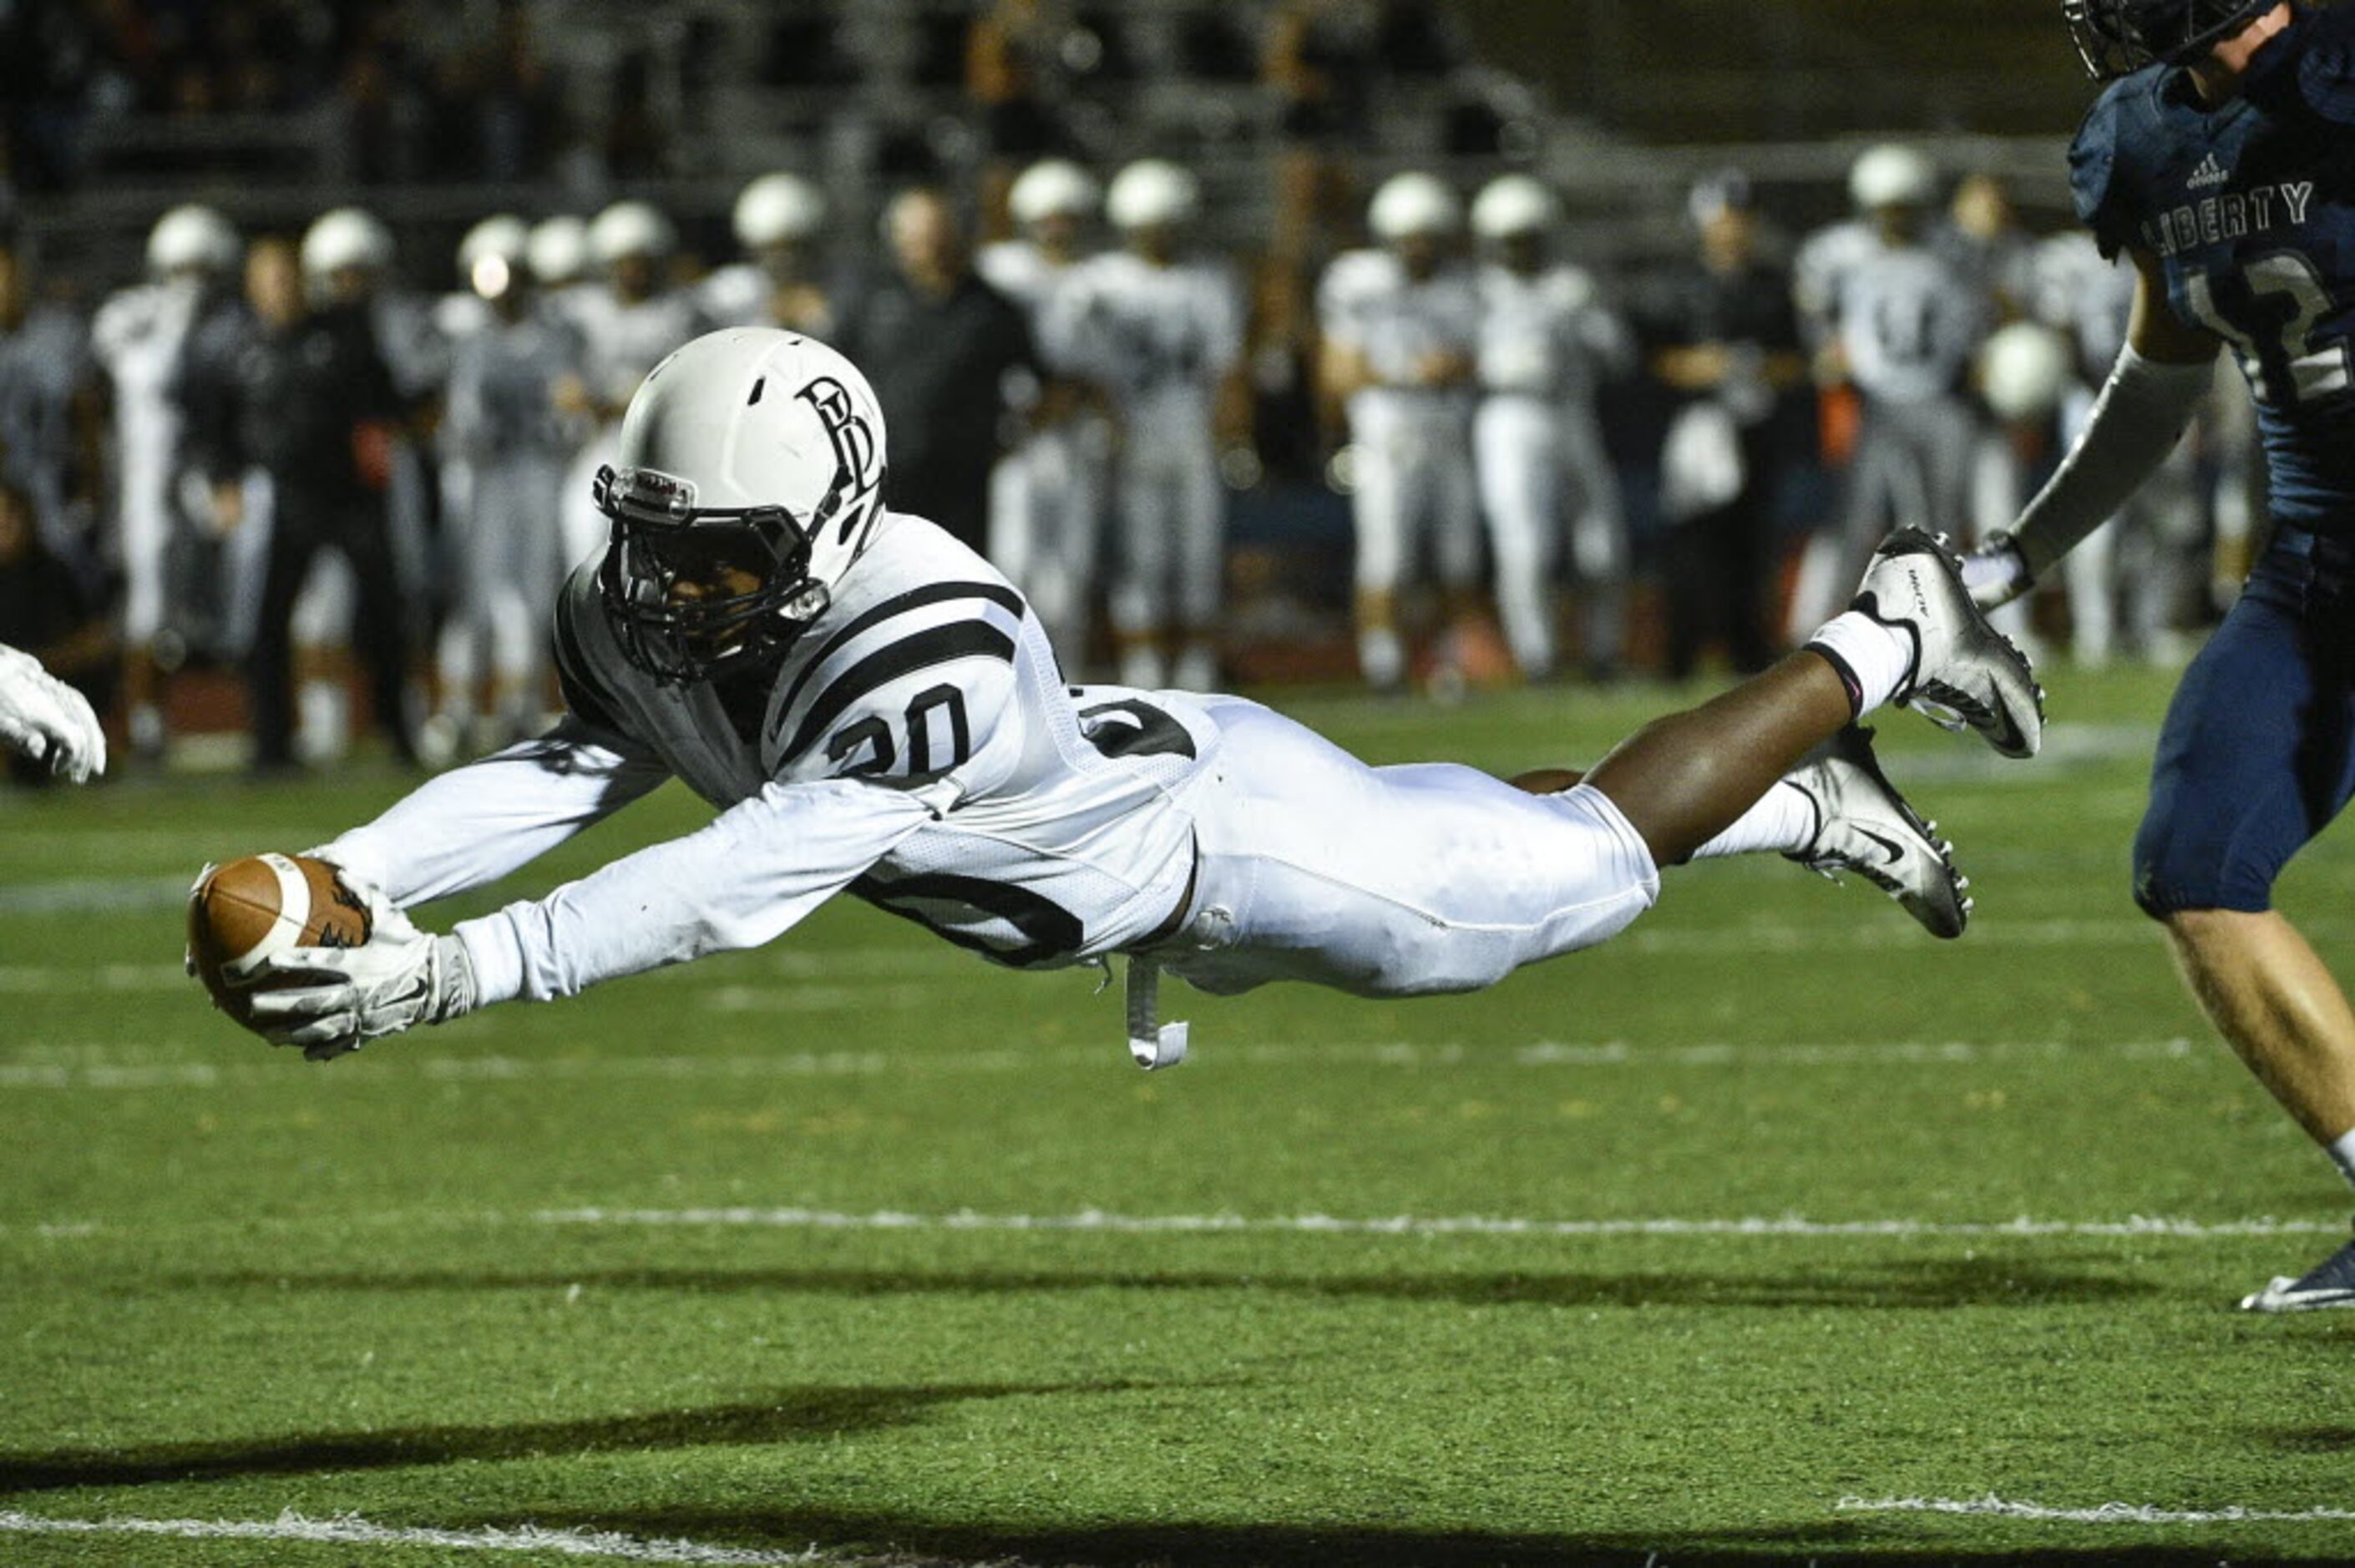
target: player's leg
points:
(1140, 593)
(2257, 756)
(1202, 563)
(269, 666)
(1379, 507)
(1519, 475)
(1913, 633)
(1598, 536)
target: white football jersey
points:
(1909, 323)
(1056, 821)
(2083, 293)
(626, 340)
(1367, 302)
(138, 335)
(1546, 335)
(1159, 339)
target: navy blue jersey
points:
(2251, 210)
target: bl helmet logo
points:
(855, 446)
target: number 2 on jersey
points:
(2285, 364)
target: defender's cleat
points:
(2331, 1283)
(1864, 825)
(1962, 664)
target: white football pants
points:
(1912, 468)
(505, 552)
(1539, 460)
(1046, 512)
(1413, 476)
(1390, 881)
(1172, 533)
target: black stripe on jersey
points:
(939, 645)
(915, 598)
(587, 704)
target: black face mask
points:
(661, 541)
(2114, 38)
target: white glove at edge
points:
(47, 720)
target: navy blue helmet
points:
(2114, 38)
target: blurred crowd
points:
(283, 456)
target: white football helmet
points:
(346, 236)
(498, 245)
(1510, 205)
(559, 251)
(749, 456)
(1153, 193)
(1891, 174)
(192, 237)
(1052, 187)
(2024, 371)
(1414, 203)
(631, 228)
(777, 210)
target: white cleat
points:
(2331, 1283)
(1966, 673)
(1864, 825)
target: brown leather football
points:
(244, 912)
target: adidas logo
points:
(2209, 174)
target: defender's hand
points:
(1996, 573)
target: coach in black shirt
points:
(940, 346)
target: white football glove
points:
(47, 720)
(329, 1001)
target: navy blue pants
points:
(2258, 753)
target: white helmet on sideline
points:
(2024, 371)
(1414, 203)
(751, 462)
(346, 236)
(500, 244)
(1891, 174)
(631, 228)
(1052, 187)
(777, 210)
(1514, 204)
(559, 250)
(1153, 193)
(192, 237)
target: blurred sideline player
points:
(1047, 496)
(138, 335)
(869, 708)
(628, 320)
(1162, 334)
(1900, 321)
(778, 220)
(1547, 344)
(2212, 164)
(516, 406)
(1402, 325)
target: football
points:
(241, 913)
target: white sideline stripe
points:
(127, 1072)
(96, 894)
(1096, 1220)
(2107, 1513)
(353, 1531)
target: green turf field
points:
(858, 1244)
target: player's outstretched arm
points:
(2161, 376)
(47, 720)
(754, 871)
(474, 824)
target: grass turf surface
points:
(487, 1276)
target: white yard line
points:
(349, 1529)
(61, 1066)
(1097, 1220)
(1991, 1506)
